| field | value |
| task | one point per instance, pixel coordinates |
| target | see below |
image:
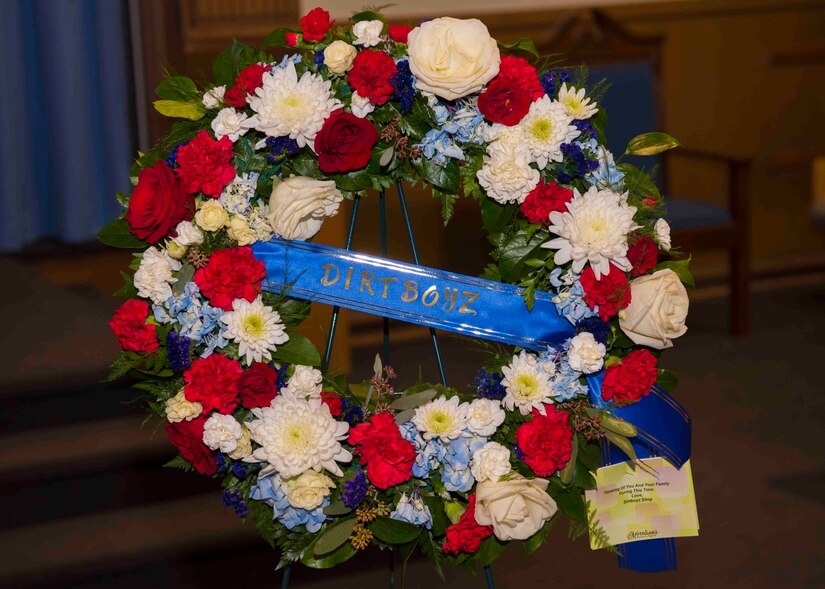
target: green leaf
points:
(189, 109)
(681, 268)
(298, 350)
(639, 183)
(590, 454)
(667, 380)
(180, 463)
(520, 45)
(440, 519)
(404, 416)
(650, 144)
(393, 531)
(491, 549)
(414, 400)
(341, 554)
(367, 15)
(117, 234)
(333, 537)
(612, 423)
(583, 478)
(532, 543)
(444, 177)
(513, 254)
(496, 217)
(454, 510)
(622, 443)
(277, 38)
(177, 88)
(566, 474)
(337, 508)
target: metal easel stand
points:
(382, 203)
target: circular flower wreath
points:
(271, 149)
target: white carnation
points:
(490, 463)
(361, 106)
(485, 415)
(305, 383)
(544, 128)
(229, 123)
(179, 408)
(222, 432)
(527, 386)
(367, 32)
(154, 278)
(188, 234)
(662, 230)
(441, 418)
(585, 354)
(256, 328)
(506, 175)
(214, 97)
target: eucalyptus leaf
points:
(622, 443)
(337, 508)
(185, 275)
(650, 144)
(386, 157)
(333, 536)
(404, 416)
(414, 400)
(612, 423)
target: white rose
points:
(360, 105)
(179, 408)
(367, 32)
(212, 216)
(154, 275)
(585, 354)
(662, 230)
(490, 463)
(222, 432)
(299, 205)
(452, 57)
(244, 447)
(516, 508)
(305, 383)
(338, 56)
(240, 231)
(485, 416)
(229, 123)
(214, 97)
(657, 311)
(308, 490)
(188, 234)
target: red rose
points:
(543, 200)
(188, 437)
(332, 401)
(214, 382)
(399, 33)
(545, 441)
(519, 72)
(371, 74)
(315, 24)
(250, 79)
(631, 379)
(130, 327)
(158, 203)
(345, 142)
(388, 457)
(643, 255)
(257, 385)
(467, 534)
(232, 273)
(206, 164)
(611, 293)
(291, 39)
(504, 102)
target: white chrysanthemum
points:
(485, 415)
(256, 328)
(585, 354)
(153, 278)
(222, 432)
(214, 97)
(662, 229)
(297, 435)
(593, 230)
(188, 234)
(441, 418)
(527, 386)
(229, 123)
(506, 175)
(305, 383)
(285, 105)
(544, 128)
(237, 195)
(490, 463)
(575, 103)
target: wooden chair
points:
(634, 103)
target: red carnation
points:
(345, 142)
(388, 457)
(232, 273)
(504, 102)
(291, 39)
(611, 293)
(631, 379)
(519, 72)
(158, 203)
(643, 254)
(332, 401)
(257, 385)
(214, 382)
(545, 441)
(371, 74)
(399, 33)
(316, 24)
(130, 327)
(250, 79)
(467, 534)
(543, 200)
(206, 164)
(188, 437)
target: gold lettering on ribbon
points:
(449, 299)
(387, 282)
(465, 308)
(431, 292)
(410, 291)
(349, 277)
(366, 278)
(328, 268)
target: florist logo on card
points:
(643, 534)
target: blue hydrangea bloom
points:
(457, 123)
(438, 145)
(569, 299)
(567, 383)
(199, 321)
(456, 474)
(429, 453)
(465, 125)
(607, 175)
(413, 510)
(272, 491)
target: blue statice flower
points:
(600, 329)
(281, 148)
(456, 474)
(239, 469)
(403, 83)
(199, 321)
(221, 463)
(172, 158)
(606, 175)
(319, 59)
(355, 490)
(569, 299)
(413, 510)
(586, 129)
(429, 453)
(576, 163)
(351, 412)
(488, 385)
(177, 346)
(281, 378)
(272, 491)
(234, 500)
(552, 81)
